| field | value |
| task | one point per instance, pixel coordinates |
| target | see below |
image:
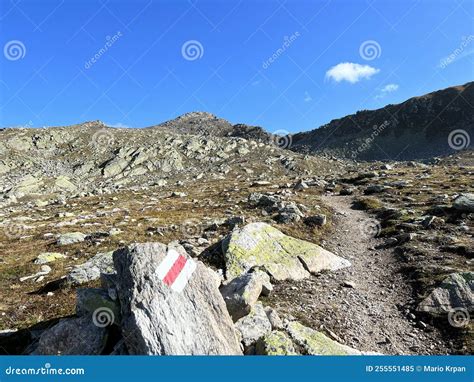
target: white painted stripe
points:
(167, 263)
(184, 276)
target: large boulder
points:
(464, 202)
(282, 256)
(73, 336)
(171, 305)
(91, 269)
(456, 291)
(242, 293)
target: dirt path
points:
(365, 306)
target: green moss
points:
(316, 343)
(368, 203)
(276, 343)
(264, 246)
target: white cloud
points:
(307, 97)
(348, 71)
(389, 88)
(118, 125)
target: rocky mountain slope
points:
(417, 128)
(201, 237)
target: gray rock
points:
(316, 220)
(464, 202)
(281, 256)
(73, 336)
(274, 318)
(253, 327)
(93, 301)
(456, 291)
(91, 269)
(70, 238)
(157, 319)
(242, 293)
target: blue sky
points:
(283, 65)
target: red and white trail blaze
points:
(175, 270)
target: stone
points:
(70, 238)
(73, 336)
(253, 327)
(276, 343)
(375, 189)
(464, 202)
(316, 220)
(48, 257)
(91, 269)
(455, 291)
(94, 301)
(157, 319)
(316, 343)
(242, 293)
(346, 191)
(281, 256)
(274, 318)
(63, 183)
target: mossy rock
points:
(316, 343)
(276, 343)
(282, 256)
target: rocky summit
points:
(201, 237)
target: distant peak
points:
(203, 115)
(94, 124)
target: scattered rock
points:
(242, 293)
(91, 269)
(464, 202)
(70, 238)
(253, 327)
(48, 257)
(73, 336)
(316, 220)
(456, 291)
